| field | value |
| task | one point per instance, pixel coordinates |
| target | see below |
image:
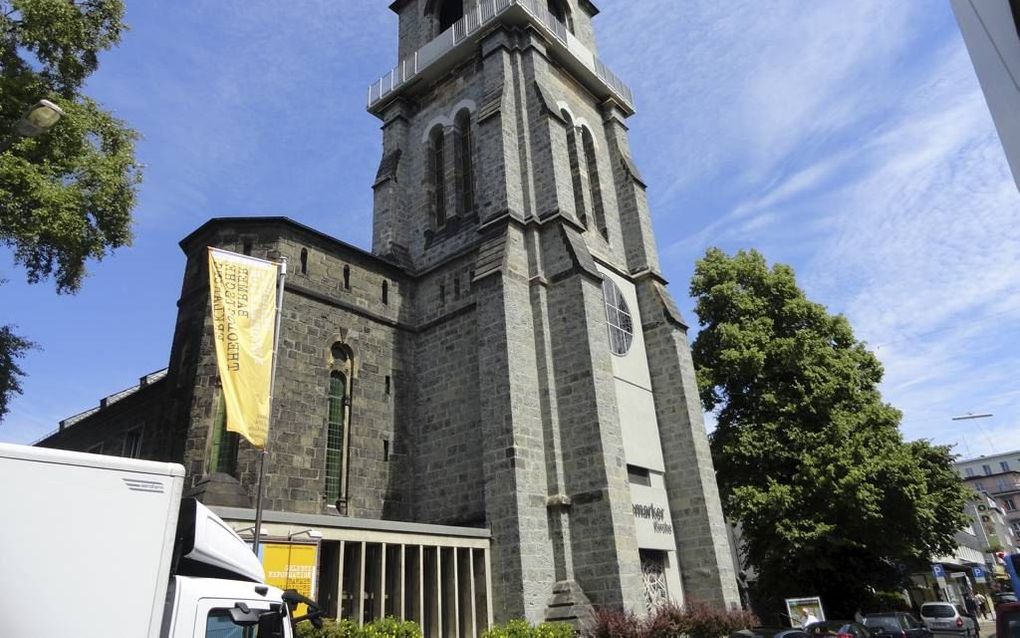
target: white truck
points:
(105, 547)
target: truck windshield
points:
(219, 624)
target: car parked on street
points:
(1001, 597)
(837, 628)
(947, 618)
(1007, 620)
(770, 632)
(896, 624)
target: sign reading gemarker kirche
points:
(243, 294)
(655, 514)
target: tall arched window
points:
(450, 11)
(465, 162)
(575, 170)
(559, 10)
(338, 425)
(594, 186)
(336, 422)
(437, 176)
(223, 454)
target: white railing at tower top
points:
(483, 13)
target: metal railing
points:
(483, 13)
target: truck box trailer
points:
(97, 546)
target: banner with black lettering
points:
(243, 294)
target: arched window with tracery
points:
(465, 162)
(437, 176)
(594, 185)
(338, 419)
(575, 169)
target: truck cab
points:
(215, 608)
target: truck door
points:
(213, 619)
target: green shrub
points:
(388, 627)
(522, 629)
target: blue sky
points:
(850, 140)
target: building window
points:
(304, 261)
(465, 162)
(1009, 504)
(979, 486)
(1016, 527)
(386, 292)
(347, 277)
(338, 425)
(987, 469)
(246, 247)
(969, 471)
(132, 443)
(437, 176)
(1004, 465)
(449, 13)
(335, 434)
(639, 475)
(594, 185)
(559, 10)
(223, 455)
(621, 327)
(1001, 485)
(575, 170)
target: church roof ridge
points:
(287, 221)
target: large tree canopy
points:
(65, 196)
(810, 460)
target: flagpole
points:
(280, 279)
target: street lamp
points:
(251, 530)
(39, 119)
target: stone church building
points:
(492, 414)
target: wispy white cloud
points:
(851, 140)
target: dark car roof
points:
(765, 632)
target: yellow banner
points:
(291, 566)
(243, 294)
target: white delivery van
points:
(104, 547)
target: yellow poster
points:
(243, 294)
(291, 566)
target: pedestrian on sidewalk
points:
(982, 602)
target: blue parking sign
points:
(938, 570)
(979, 574)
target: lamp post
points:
(39, 119)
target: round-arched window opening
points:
(450, 12)
(341, 353)
(618, 319)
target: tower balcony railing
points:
(482, 14)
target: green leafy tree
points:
(810, 460)
(65, 196)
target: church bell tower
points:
(555, 398)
